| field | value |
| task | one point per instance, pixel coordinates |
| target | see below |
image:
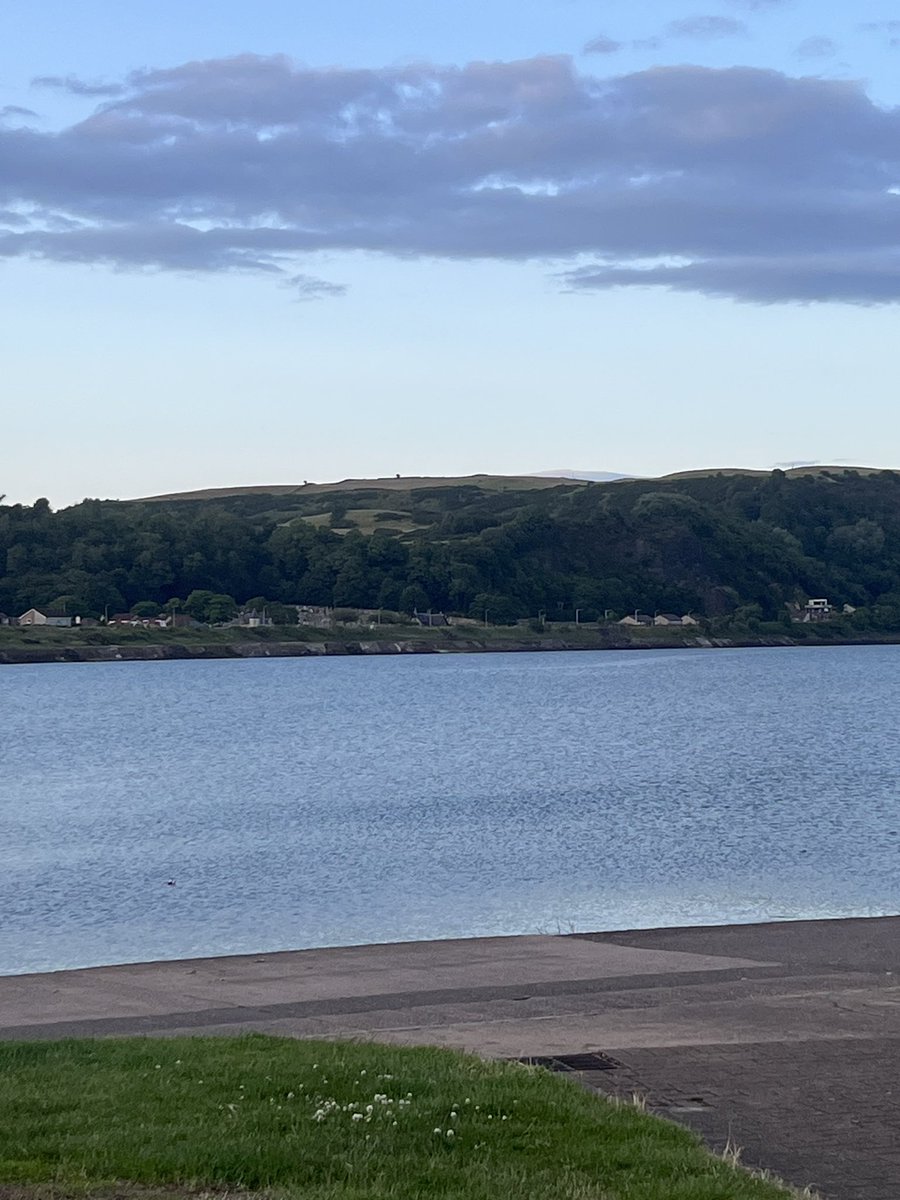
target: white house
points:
(817, 610)
(49, 616)
(667, 619)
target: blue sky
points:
(304, 241)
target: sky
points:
(304, 241)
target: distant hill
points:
(587, 476)
(730, 545)
(391, 483)
(484, 482)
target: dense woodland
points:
(730, 548)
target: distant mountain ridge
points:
(587, 476)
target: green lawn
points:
(329, 1121)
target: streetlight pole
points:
(485, 617)
(577, 616)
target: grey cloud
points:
(76, 86)
(739, 182)
(16, 110)
(602, 45)
(308, 287)
(859, 278)
(816, 47)
(706, 27)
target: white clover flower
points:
(453, 1116)
(437, 1131)
(450, 1133)
(357, 1116)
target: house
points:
(315, 615)
(180, 621)
(48, 616)
(637, 618)
(253, 619)
(816, 610)
(431, 619)
(674, 619)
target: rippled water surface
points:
(300, 802)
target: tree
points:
(281, 614)
(220, 609)
(145, 608)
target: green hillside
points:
(728, 546)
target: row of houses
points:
(52, 618)
(814, 610)
(639, 618)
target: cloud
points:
(864, 278)
(602, 45)
(706, 28)
(76, 86)
(307, 287)
(15, 110)
(816, 47)
(741, 182)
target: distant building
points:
(317, 616)
(48, 616)
(637, 618)
(180, 621)
(674, 619)
(431, 619)
(252, 619)
(5, 619)
(816, 610)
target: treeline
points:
(724, 547)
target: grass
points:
(330, 1121)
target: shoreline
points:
(19, 655)
(720, 1028)
(756, 930)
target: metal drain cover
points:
(572, 1062)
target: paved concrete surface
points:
(781, 1038)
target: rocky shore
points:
(179, 651)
